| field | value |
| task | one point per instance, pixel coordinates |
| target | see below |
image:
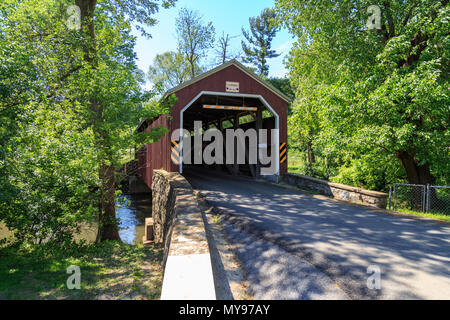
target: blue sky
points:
(226, 15)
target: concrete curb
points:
(188, 273)
(229, 275)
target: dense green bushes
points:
(371, 105)
(70, 101)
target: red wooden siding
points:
(157, 155)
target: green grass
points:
(296, 163)
(110, 270)
(437, 216)
(4, 232)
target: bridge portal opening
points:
(255, 153)
(227, 98)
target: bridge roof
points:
(223, 66)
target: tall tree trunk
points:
(191, 61)
(417, 174)
(310, 154)
(108, 229)
(107, 211)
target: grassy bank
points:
(437, 216)
(296, 163)
(109, 270)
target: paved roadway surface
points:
(283, 236)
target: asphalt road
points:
(274, 274)
(340, 241)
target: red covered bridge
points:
(227, 97)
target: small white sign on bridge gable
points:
(232, 86)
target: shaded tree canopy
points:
(284, 85)
(375, 100)
(70, 101)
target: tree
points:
(169, 69)
(72, 106)
(223, 50)
(40, 134)
(102, 104)
(258, 48)
(381, 94)
(194, 38)
(282, 84)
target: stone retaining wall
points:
(337, 190)
(178, 224)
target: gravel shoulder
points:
(229, 275)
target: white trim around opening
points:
(238, 95)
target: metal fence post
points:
(395, 197)
(390, 196)
(420, 198)
(424, 197)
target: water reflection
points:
(132, 216)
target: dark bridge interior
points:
(212, 117)
(258, 117)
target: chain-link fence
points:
(420, 198)
(438, 199)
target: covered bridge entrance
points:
(227, 101)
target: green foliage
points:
(257, 49)
(51, 180)
(169, 70)
(284, 85)
(139, 12)
(52, 144)
(374, 102)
